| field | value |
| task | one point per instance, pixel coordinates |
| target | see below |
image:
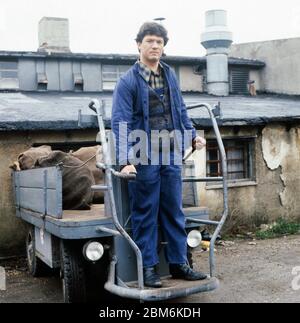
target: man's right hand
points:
(129, 169)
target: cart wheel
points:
(36, 266)
(72, 274)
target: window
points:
(239, 158)
(9, 74)
(239, 78)
(111, 74)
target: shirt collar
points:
(146, 71)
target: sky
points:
(110, 26)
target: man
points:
(148, 98)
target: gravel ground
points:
(248, 271)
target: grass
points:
(279, 228)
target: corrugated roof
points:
(59, 111)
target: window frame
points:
(112, 80)
(14, 81)
(248, 166)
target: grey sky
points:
(98, 26)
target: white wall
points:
(189, 81)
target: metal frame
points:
(109, 172)
(141, 293)
(213, 113)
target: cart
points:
(93, 250)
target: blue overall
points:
(155, 198)
(156, 194)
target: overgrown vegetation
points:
(279, 228)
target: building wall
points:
(189, 81)
(12, 230)
(59, 74)
(275, 191)
(282, 57)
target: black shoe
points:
(151, 277)
(184, 271)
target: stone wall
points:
(274, 190)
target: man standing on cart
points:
(148, 99)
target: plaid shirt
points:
(160, 116)
(155, 80)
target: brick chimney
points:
(54, 35)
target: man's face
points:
(151, 48)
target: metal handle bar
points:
(91, 106)
(212, 112)
(130, 176)
(109, 171)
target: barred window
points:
(9, 74)
(239, 159)
(111, 74)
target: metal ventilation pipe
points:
(217, 40)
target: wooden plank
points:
(30, 194)
(54, 203)
(33, 199)
(67, 230)
(96, 212)
(35, 177)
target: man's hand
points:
(128, 169)
(198, 143)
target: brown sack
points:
(15, 166)
(28, 158)
(85, 154)
(77, 182)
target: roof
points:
(246, 110)
(59, 111)
(253, 63)
(125, 58)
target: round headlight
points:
(194, 238)
(93, 251)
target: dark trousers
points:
(156, 197)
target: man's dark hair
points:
(152, 28)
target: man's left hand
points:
(198, 143)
